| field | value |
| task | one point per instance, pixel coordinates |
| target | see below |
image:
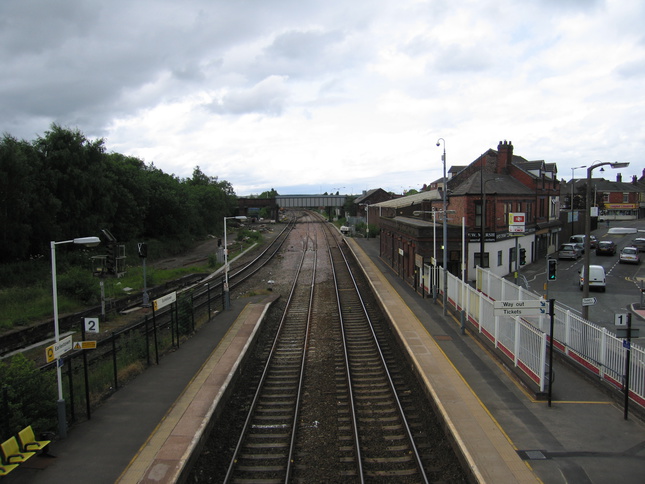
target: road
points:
(624, 281)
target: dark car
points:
(606, 247)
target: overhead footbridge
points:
(310, 201)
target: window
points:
(500, 257)
(605, 197)
(478, 214)
(507, 209)
(625, 197)
(478, 259)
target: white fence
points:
(523, 340)
(523, 344)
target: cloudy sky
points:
(310, 96)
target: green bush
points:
(79, 284)
(250, 235)
(27, 397)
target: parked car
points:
(569, 251)
(606, 247)
(580, 239)
(639, 243)
(629, 254)
(597, 278)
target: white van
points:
(596, 277)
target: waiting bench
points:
(28, 442)
(15, 451)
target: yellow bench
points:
(28, 442)
(6, 469)
(11, 453)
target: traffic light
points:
(142, 249)
(552, 269)
(522, 257)
(110, 260)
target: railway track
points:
(331, 403)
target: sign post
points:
(517, 227)
(627, 358)
(552, 318)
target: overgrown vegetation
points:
(63, 185)
(27, 396)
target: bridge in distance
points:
(246, 206)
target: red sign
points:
(516, 219)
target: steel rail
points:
(271, 358)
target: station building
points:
(480, 198)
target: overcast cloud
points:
(306, 96)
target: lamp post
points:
(227, 296)
(62, 413)
(482, 242)
(585, 285)
(572, 193)
(367, 223)
(445, 228)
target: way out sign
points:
(520, 308)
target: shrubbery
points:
(27, 397)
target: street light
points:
(367, 224)
(445, 228)
(227, 296)
(482, 242)
(585, 286)
(62, 413)
(572, 193)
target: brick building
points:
(482, 195)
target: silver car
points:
(569, 251)
(629, 254)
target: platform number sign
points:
(91, 325)
(620, 319)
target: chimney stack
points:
(619, 178)
(504, 156)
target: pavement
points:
(581, 438)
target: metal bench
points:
(11, 453)
(28, 442)
(6, 469)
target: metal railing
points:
(592, 346)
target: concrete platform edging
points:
(165, 456)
